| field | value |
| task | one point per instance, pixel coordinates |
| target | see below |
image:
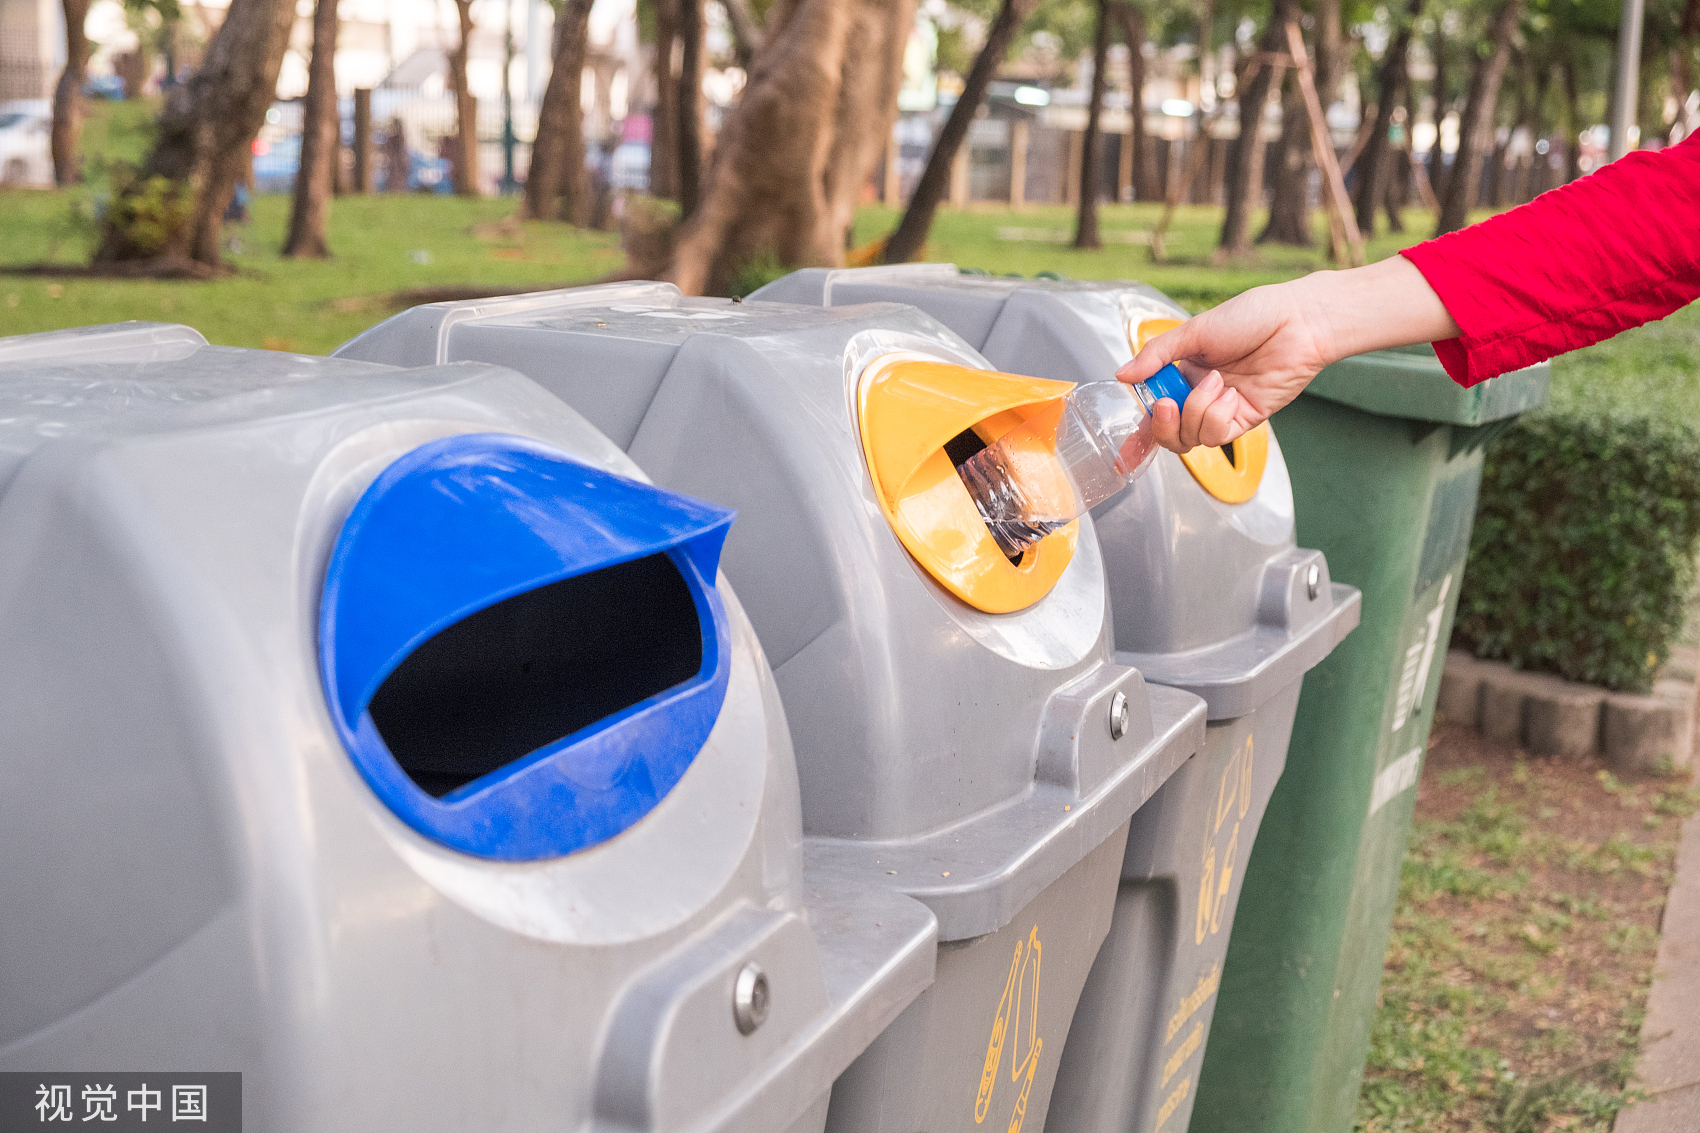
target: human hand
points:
(1253, 354)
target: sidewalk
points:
(1670, 1038)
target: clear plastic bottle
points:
(1059, 464)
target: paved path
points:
(1670, 1038)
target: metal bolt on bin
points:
(1210, 594)
(964, 734)
(1386, 458)
(382, 735)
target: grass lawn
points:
(969, 238)
(382, 245)
(1523, 944)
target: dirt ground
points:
(1523, 945)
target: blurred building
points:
(32, 48)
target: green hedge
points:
(1582, 560)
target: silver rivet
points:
(750, 999)
(1120, 715)
(1313, 580)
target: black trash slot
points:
(961, 449)
(525, 672)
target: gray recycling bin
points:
(964, 734)
(382, 735)
(1210, 594)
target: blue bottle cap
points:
(1169, 383)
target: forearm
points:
(1384, 304)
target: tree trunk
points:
(690, 105)
(1496, 176)
(1289, 210)
(1373, 164)
(746, 32)
(202, 141)
(1133, 30)
(664, 131)
(1534, 122)
(465, 171)
(320, 142)
(1475, 126)
(1091, 153)
(1289, 202)
(1681, 56)
(556, 185)
(905, 243)
(1436, 156)
(68, 94)
(1573, 111)
(1244, 165)
(871, 75)
(796, 150)
(1404, 181)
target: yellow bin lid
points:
(910, 408)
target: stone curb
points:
(1550, 716)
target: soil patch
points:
(1523, 944)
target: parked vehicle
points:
(276, 162)
(26, 154)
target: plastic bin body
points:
(962, 758)
(198, 874)
(1385, 457)
(1210, 594)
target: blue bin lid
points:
(463, 523)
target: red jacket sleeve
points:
(1610, 251)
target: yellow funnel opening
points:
(910, 409)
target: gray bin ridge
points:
(1207, 596)
(196, 877)
(960, 758)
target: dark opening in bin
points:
(961, 449)
(519, 675)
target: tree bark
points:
(1475, 125)
(1681, 56)
(1289, 201)
(465, 173)
(1133, 30)
(556, 185)
(320, 141)
(664, 123)
(1496, 177)
(202, 140)
(746, 32)
(905, 243)
(690, 105)
(1404, 181)
(68, 95)
(1289, 209)
(1436, 156)
(871, 75)
(1243, 163)
(1573, 112)
(1092, 152)
(1373, 163)
(796, 150)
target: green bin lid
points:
(1408, 381)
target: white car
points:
(26, 153)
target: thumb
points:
(1159, 352)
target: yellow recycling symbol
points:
(1018, 1021)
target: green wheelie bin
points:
(1385, 453)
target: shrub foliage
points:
(1582, 560)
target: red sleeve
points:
(1610, 251)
